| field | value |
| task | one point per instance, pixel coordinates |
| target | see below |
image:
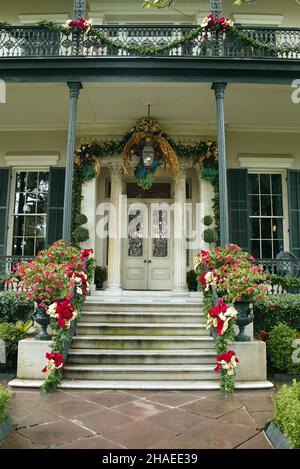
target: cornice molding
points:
(265, 161)
(258, 20)
(31, 159)
(35, 18)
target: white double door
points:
(147, 260)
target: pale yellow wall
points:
(33, 141)
(262, 143)
(9, 10)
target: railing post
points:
(74, 88)
(219, 89)
(216, 7)
(79, 9)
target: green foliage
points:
(80, 219)
(280, 349)
(287, 412)
(5, 396)
(80, 234)
(209, 173)
(277, 309)
(289, 283)
(210, 235)
(146, 181)
(14, 308)
(208, 220)
(192, 280)
(11, 336)
(89, 172)
(52, 382)
(100, 276)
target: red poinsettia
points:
(63, 311)
(85, 254)
(219, 316)
(55, 360)
(227, 362)
(82, 24)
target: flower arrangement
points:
(63, 311)
(53, 372)
(227, 362)
(81, 25)
(213, 23)
(220, 317)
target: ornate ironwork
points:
(38, 41)
(7, 264)
(79, 9)
(216, 7)
(281, 266)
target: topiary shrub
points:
(80, 219)
(287, 412)
(210, 235)
(100, 276)
(208, 220)
(80, 235)
(280, 349)
(277, 309)
(14, 308)
(192, 281)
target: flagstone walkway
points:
(139, 419)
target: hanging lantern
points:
(148, 154)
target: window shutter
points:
(56, 205)
(238, 207)
(4, 204)
(294, 211)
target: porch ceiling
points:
(188, 109)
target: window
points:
(266, 215)
(30, 212)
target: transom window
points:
(266, 215)
(30, 212)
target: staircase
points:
(142, 343)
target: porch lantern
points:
(148, 154)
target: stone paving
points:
(139, 419)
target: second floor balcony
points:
(150, 40)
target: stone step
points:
(142, 307)
(143, 317)
(141, 357)
(86, 328)
(140, 372)
(141, 342)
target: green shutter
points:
(56, 205)
(294, 211)
(4, 204)
(238, 207)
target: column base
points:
(114, 289)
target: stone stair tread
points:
(142, 337)
(139, 325)
(144, 368)
(141, 352)
(148, 313)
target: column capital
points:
(219, 89)
(115, 168)
(74, 88)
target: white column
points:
(115, 230)
(88, 208)
(179, 281)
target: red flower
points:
(226, 357)
(57, 358)
(85, 253)
(65, 312)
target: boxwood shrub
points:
(278, 309)
(280, 349)
(14, 308)
(287, 412)
(5, 395)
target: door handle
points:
(145, 261)
(149, 262)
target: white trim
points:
(266, 161)
(35, 18)
(31, 160)
(258, 20)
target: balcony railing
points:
(39, 41)
(7, 264)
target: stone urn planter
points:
(244, 317)
(6, 428)
(43, 319)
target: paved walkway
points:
(139, 419)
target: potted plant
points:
(5, 420)
(192, 282)
(100, 276)
(236, 279)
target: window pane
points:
(266, 205)
(266, 228)
(255, 232)
(255, 249)
(19, 203)
(30, 223)
(21, 178)
(265, 184)
(32, 182)
(254, 205)
(30, 203)
(17, 247)
(266, 249)
(40, 226)
(278, 246)
(40, 244)
(277, 228)
(277, 206)
(29, 247)
(253, 184)
(276, 184)
(42, 203)
(43, 182)
(19, 225)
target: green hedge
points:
(11, 336)
(287, 412)
(5, 396)
(14, 308)
(280, 349)
(278, 309)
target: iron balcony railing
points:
(39, 41)
(281, 267)
(7, 265)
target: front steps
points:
(154, 342)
